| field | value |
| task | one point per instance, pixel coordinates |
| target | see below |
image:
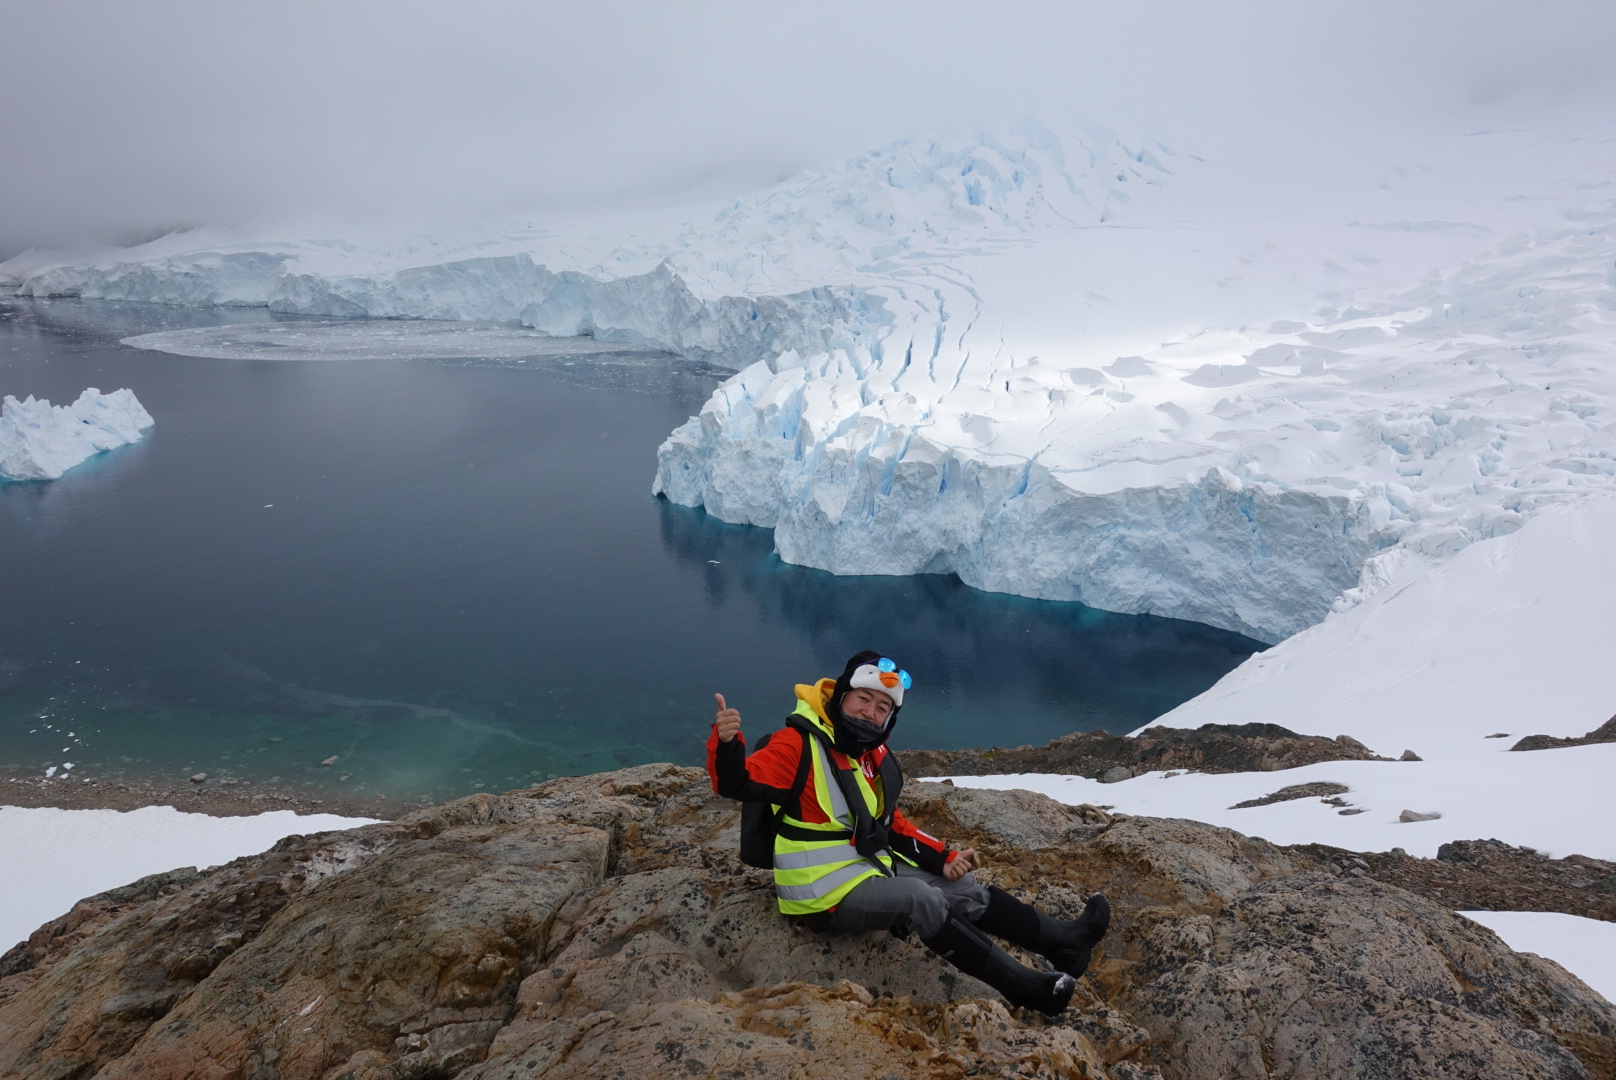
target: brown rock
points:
(1604, 733)
(1489, 875)
(1094, 754)
(1327, 977)
(790, 1031)
(1321, 789)
(603, 927)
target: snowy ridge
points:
(790, 269)
(1064, 366)
(41, 441)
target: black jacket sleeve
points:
(766, 775)
(927, 858)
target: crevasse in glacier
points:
(1074, 365)
(41, 441)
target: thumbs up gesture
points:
(728, 720)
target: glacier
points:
(1062, 361)
(41, 441)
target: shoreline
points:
(242, 799)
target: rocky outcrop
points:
(1321, 789)
(603, 927)
(1100, 755)
(1604, 733)
(1490, 875)
(27, 960)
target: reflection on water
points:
(992, 669)
(451, 573)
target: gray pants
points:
(924, 898)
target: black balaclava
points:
(855, 736)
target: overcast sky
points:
(118, 119)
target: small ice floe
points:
(41, 441)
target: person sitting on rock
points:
(846, 859)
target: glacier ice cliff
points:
(41, 441)
(1081, 366)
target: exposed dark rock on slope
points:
(1605, 732)
(602, 927)
(1321, 789)
(1489, 875)
(1208, 748)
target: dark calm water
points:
(452, 574)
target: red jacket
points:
(767, 775)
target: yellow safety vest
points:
(814, 875)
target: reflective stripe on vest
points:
(828, 791)
(814, 875)
(831, 883)
(829, 855)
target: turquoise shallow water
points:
(451, 574)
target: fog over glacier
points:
(123, 121)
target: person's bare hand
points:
(728, 720)
(961, 864)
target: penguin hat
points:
(884, 676)
(866, 671)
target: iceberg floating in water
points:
(41, 441)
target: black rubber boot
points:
(968, 949)
(1068, 943)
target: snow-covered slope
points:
(1514, 635)
(1069, 365)
(1511, 637)
(41, 441)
